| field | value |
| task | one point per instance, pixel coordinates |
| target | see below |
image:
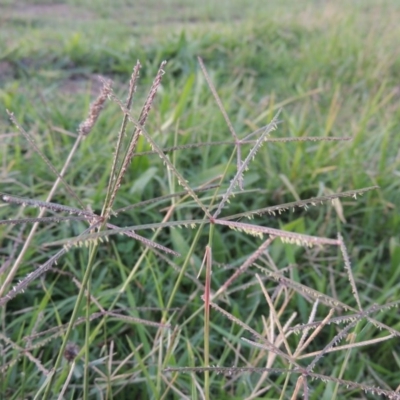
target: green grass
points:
(333, 68)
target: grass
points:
(153, 320)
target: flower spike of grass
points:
(313, 201)
(182, 181)
(270, 127)
(285, 236)
(112, 178)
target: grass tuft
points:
(138, 275)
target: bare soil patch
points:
(54, 11)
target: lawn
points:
(193, 274)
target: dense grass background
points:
(333, 66)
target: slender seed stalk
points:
(73, 318)
(87, 336)
(207, 298)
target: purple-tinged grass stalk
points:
(139, 128)
(161, 154)
(112, 179)
(243, 268)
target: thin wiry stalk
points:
(351, 338)
(110, 360)
(152, 93)
(38, 322)
(313, 201)
(265, 344)
(127, 281)
(274, 316)
(311, 318)
(302, 346)
(135, 320)
(42, 220)
(305, 388)
(228, 371)
(353, 317)
(159, 151)
(57, 330)
(112, 178)
(139, 127)
(88, 216)
(325, 321)
(270, 347)
(354, 385)
(183, 269)
(349, 346)
(270, 127)
(145, 241)
(287, 237)
(23, 284)
(343, 333)
(227, 120)
(79, 286)
(305, 290)
(242, 287)
(347, 266)
(77, 306)
(138, 131)
(335, 304)
(254, 230)
(67, 381)
(46, 205)
(297, 388)
(244, 266)
(86, 238)
(86, 289)
(206, 298)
